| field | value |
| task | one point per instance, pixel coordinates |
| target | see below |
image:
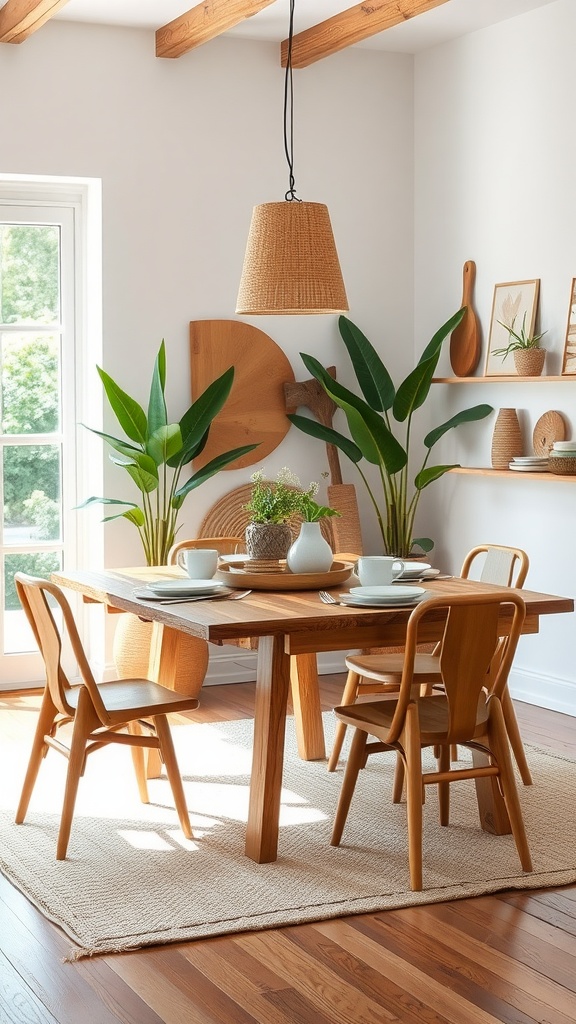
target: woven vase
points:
(268, 541)
(529, 362)
(506, 439)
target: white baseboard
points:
(550, 692)
(238, 666)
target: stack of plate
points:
(413, 570)
(563, 458)
(382, 597)
(530, 464)
(184, 588)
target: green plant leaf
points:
(157, 415)
(116, 443)
(431, 473)
(145, 481)
(134, 515)
(373, 377)
(435, 344)
(476, 412)
(425, 543)
(327, 434)
(128, 412)
(212, 467)
(413, 391)
(105, 501)
(165, 442)
(196, 421)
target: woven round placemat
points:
(229, 517)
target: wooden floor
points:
(496, 958)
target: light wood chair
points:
(98, 711)
(224, 546)
(381, 673)
(468, 712)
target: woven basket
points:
(507, 439)
(529, 362)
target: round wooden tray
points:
(237, 576)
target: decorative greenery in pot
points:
(370, 422)
(273, 503)
(528, 355)
(157, 453)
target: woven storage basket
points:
(563, 466)
(529, 362)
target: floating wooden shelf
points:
(496, 380)
(488, 471)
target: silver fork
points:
(327, 598)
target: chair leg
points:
(411, 742)
(356, 760)
(398, 784)
(515, 738)
(46, 719)
(499, 745)
(139, 762)
(348, 697)
(84, 721)
(173, 773)
(445, 755)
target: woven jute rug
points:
(131, 879)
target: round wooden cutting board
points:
(255, 412)
(550, 427)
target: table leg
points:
(307, 709)
(491, 807)
(272, 684)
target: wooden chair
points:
(224, 546)
(98, 711)
(381, 673)
(468, 712)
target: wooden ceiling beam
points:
(209, 19)
(20, 18)
(351, 26)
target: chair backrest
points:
(33, 594)
(224, 546)
(503, 565)
(471, 657)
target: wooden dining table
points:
(291, 628)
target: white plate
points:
(414, 569)
(530, 469)
(379, 602)
(392, 593)
(184, 587)
(530, 460)
(231, 559)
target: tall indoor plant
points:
(371, 425)
(157, 453)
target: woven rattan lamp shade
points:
(291, 265)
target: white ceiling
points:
(455, 18)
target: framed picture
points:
(569, 360)
(515, 304)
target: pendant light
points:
(291, 264)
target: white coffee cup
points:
(199, 563)
(379, 570)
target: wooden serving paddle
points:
(466, 340)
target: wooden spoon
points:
(466, 341)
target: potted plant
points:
(273, 506)
(370, 419)
(156, 452)
(528, 355)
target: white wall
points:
(184, 149)
(494, 182)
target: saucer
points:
(184, 588)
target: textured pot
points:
(529, 362)
(309, 552)
(131, 653)
(506, 439)
(268, 541)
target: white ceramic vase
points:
(310, 552)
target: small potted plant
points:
(528, 355)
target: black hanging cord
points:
(290, 195)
